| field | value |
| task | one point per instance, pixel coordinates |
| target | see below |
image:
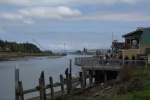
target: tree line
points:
(6, 46)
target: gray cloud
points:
(66, 2)
(29, 15)
(14, 16)
(126, 16)
(50, 12)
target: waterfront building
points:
(137, 43)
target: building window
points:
(128, 41)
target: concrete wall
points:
(130, 52)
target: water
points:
(30, 70)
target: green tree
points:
(2, 44)
(21, 47)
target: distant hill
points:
(6, 46)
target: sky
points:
(78, 24)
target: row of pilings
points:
(100, 76)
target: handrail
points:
(113, 63)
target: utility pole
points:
(112, 43)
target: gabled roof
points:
(145, 39)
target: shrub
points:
(126, 73)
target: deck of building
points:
(104, 70)
(92, 63)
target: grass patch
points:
(142, 95)
(143, 74)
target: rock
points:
(121, 89)
(96, 94)
(135, 85)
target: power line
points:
(38, 44)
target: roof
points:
(132, 32)
(145, 39)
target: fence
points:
(20, 92)
(109, 64)
(112, 62)
(78, 61)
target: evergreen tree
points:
(19, 47)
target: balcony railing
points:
(130, 46)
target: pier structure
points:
(101, 71)
(68, 86)
(97, 71)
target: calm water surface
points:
(30, 70)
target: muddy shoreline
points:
(16, 56)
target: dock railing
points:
(52, 95)
(78, 61)
(109, 64)
(66, 84)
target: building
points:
(7, 49)
(1, 49)
(116, 46)
(137, 43)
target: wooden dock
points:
(66, 83)
(104, 70)
(97, 71)
(92, 63)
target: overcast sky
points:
(77, 23)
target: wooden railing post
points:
(16, 91)
(41, 90)
(84, 78)
(70, 66)
(42, 84)
(105, 77)
(96, 77)
(70, 77)
(21, 90)
(51, 86)
(67, 79)
(81, 81)
(70, 83)
(62, 85)
(90, 77)
(82, 64)
(16, 82)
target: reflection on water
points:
(30, 69)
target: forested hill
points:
(6, 46)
